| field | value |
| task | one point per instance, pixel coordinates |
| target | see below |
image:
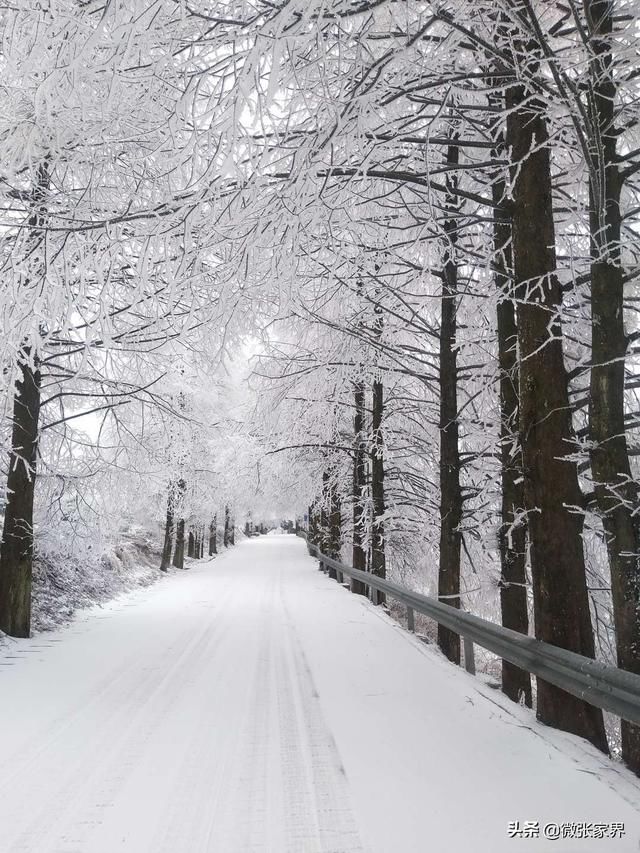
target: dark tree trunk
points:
(191, 552)
(16, 551)
(232, 530)
(333, 533)
(325, 518)
(450, 490)
(516, 682)
(315, 529)
(178, 554)
(359, 557)
(324, 513)
(552, 493)
(227, 535)
(335, 526)
(311, 532)
(213, 537)
(378, 556)
(615, 490)
(168, 529)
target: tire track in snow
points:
(123, 736)
(26, 757)
(337, 830)
(300, 817)
(199, 815)
(285, 787)
(243, 815)
(135, 743)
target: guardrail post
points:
(469, 656)
(411, 622)
(357, 587)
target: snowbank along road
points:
(251, 704)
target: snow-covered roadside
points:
(65, 583)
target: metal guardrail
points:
(604, 686)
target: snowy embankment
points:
(251, 704)
(64, 583)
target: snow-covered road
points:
(251, 704)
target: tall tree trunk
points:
(615, 490)
(335, 526)
(232, 530)
(168, 529)
(213, 536)
(324, 512)
(191, 552)
(313, 526)
(552, 492)
(178, 554)
(359, 557)
(333, 531)
(450, 490)
(378, 548)
(378, 555)
(512, 536)
(226, 536)
(16, 551)
(327, 518)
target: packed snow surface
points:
(252, 704)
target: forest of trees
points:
(377, 259)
